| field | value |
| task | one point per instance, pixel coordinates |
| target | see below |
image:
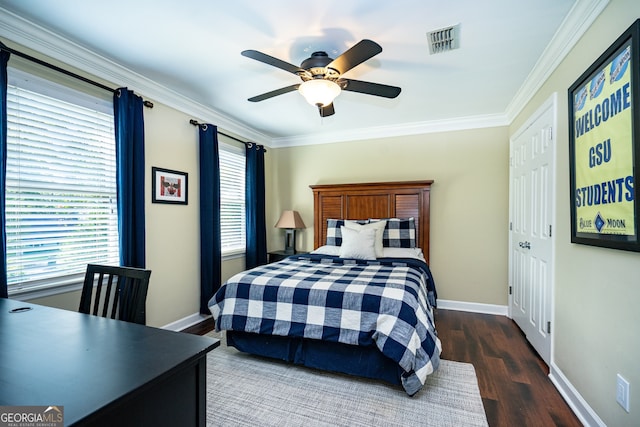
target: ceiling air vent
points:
(444, 40)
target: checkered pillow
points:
(399, 233)
(334, 236)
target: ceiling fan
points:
(322, 77)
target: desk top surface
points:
(50, 356)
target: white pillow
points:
(403, 253)
(386, 252)
(357, 243)
(377, 226)
(327, 250)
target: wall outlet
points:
(622, 392)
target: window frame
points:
(27, 79)
(239, 151)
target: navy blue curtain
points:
(255, 205)
(4, 58)
(210, 243)
(129, 126)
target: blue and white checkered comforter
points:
(383, 302)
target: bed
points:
(361, 303)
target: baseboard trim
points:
(576, 402)
(473, 307)
(185, 322)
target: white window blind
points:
(232, 200)
(61, 185)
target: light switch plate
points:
(622, 392)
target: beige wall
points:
(469, 198)
(172, 231)
(596, 290)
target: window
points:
(61, 184)
(232, 199)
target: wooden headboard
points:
(373, 200)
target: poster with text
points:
(604, 150)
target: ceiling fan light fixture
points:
(319, 92)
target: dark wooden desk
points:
(104, 372)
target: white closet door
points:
(532, 184)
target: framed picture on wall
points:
(604, 155)
(169, 186)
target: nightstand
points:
(280, 255)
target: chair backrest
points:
(120, 292)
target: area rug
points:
(245, 390)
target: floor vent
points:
(444, 40)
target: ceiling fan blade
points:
(369, 88)
(273, 93)
(275, 62)
(356, 55)
(327, 111)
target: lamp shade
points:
(290, 219)
(319, 92)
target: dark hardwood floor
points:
(201, 328)
(513, 380)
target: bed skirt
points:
(367, 362)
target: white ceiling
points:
(191, 48)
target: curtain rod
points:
(196, 123)
(4, 47)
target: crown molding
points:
(576, 23)
(416, 128)
(25, 33)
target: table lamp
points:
(290, 221)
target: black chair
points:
(121, 292)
